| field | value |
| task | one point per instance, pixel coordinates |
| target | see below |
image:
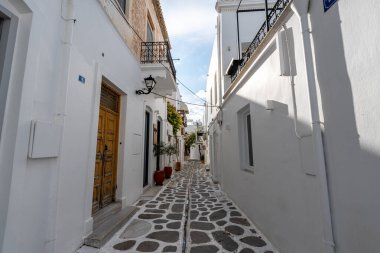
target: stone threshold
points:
(107, 222)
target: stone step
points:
(109, 227)
(103, 214)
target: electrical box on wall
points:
(285, 43)
(45, 139)
(283, 53)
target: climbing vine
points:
(189, 140)
(174, 118)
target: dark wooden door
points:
(146, 149)
(158, 142)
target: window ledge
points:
(249, 170)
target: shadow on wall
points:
(353, 172)
(286, 200)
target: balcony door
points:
(149, 39)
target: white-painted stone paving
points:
(190, 206)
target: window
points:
(149, 29)
(150, 54)
(245, 138)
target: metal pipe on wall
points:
(301, 8)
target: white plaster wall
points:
(11, 113)
(280, 197)
(249, 25)
(228, 44)
(32, 189)
(54, 196)
(210, 85)
(346, 52)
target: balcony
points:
(156, 60)
(269, 26)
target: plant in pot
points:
(178, 163)
(159, 175)
(170, 150)
(175, 119)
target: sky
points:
(191, 28)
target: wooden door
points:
(106, 154)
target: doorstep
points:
(107, 222)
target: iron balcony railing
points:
(157, 52)
(270, 21)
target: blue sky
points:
(191, 28)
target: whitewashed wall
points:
(346, 54)
(54, 196)
(282, 195)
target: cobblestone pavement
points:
(192, 215)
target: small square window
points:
(245, 138)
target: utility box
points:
(285, 43)
(45, 139)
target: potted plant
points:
(189, 141)
(170, 150)
(159, 175)
(178, 163)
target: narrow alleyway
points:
(190, 214)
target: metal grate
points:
(109, 99)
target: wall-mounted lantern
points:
(150, 82)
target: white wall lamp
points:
(150, 82)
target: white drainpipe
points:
(301, 9)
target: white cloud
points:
(201, 94)
(203, 78)
(195, 19)
(196, 112)
(191, 23)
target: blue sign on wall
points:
(328, 3)
(82, 79)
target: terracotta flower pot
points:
(168, 171)
(159, 177)
(178, 166)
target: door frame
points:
(121, 195)
(106, 85)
